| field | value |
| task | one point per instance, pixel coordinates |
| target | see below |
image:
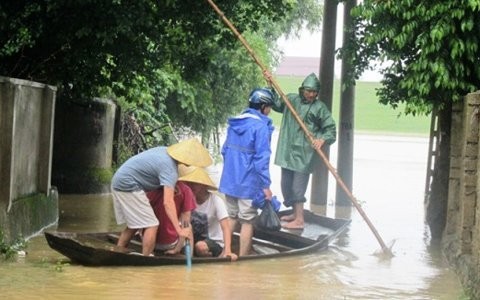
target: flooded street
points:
(389, 180)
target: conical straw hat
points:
(190, 152)
(195, 174)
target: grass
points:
(370, 116)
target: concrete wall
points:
(27, 202)
(462, 231)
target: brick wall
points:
(462, 231)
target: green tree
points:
(164, 61)
(429, 50)
(81, 46)
(429, 59)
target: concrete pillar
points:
(82, 157)
(347, 115)
(319, 190)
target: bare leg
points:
(148, 240)
(246, 234)
(233, 223)
(298, 222)
(125, 237)
(178, 247)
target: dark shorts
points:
(214, 247)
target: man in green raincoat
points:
(295, 154)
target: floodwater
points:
(389, 179)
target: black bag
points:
(268, 218)
(199, 223)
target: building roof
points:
(298, 66)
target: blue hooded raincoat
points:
(246, 156)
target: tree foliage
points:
(81, 46)
(165, 62)
(428, 50)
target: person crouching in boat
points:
(146, 171)
(167, 238)
(217, 242)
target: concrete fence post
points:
(27, 203)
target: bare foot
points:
(120, 249)
(288, 218)
(293, 225)
(175, 250)
(172, 252)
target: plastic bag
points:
(268, 218)
(259, 202)
(199, 223)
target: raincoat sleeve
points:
(327, 128)
(262, 156)
(278, 104)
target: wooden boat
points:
(98, 249)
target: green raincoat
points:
(294, 150)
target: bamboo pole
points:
(309, 135)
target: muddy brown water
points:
(389, 178)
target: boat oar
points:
(309, 135)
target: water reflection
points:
(389, 183)
(86, 213)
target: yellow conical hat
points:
(195, 174)
(190, 152)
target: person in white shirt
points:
(218, 240)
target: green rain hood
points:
(294, 150)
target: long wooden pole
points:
(309, 135)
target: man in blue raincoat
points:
(245, 179)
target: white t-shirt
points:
(215, 210)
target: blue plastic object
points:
(188, 253)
